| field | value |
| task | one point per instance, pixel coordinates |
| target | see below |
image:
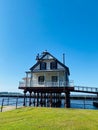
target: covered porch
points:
(46, 79)
(46, 84)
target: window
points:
(42, 66)
(41, 79)
(53, 65)
(54, 78)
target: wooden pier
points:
(47, 96)
(51, 96)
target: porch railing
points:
(46, 84)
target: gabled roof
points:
(40, 58)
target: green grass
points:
(30, 118)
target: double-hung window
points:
(54, 78)
(41, 79)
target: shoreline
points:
(62, 97)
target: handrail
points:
(84, 88)
(46, 84)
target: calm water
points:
(83, 104)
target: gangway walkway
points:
(85, 89)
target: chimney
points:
(64, 58)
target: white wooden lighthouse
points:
(48, 71)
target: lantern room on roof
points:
(48, 71)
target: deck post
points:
(41, 99)
(51, 99)
(44, 99)
(34, 98)
(24, 103)
(67, 99)
(37, 99)
(30, 98)
(47, 99)
(26, 79)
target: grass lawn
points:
(30, 118)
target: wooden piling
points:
(67, 94)
(48, 96)
(34, 98)
(37, 99)
(24, 103)
(30, 98)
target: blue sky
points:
(28, 27)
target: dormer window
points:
(43, 66)
(53, 65)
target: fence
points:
(77, 101)
(10, 102)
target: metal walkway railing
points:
(85, 89)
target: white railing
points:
(22, 84)
(46, 84)
(84, 88)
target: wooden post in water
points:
(16, 102)
(30, 98)
(44, 99)
(37, 99)
(2, 104)
(47, 99)
(67, 99)
(34, 98)
(84, 101)
(50, 99)
(8, 101)
(41, 99)
(24, 103)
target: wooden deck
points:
(48, 89)
(48, 93)
(82, 89)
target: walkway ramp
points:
(85, 89)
